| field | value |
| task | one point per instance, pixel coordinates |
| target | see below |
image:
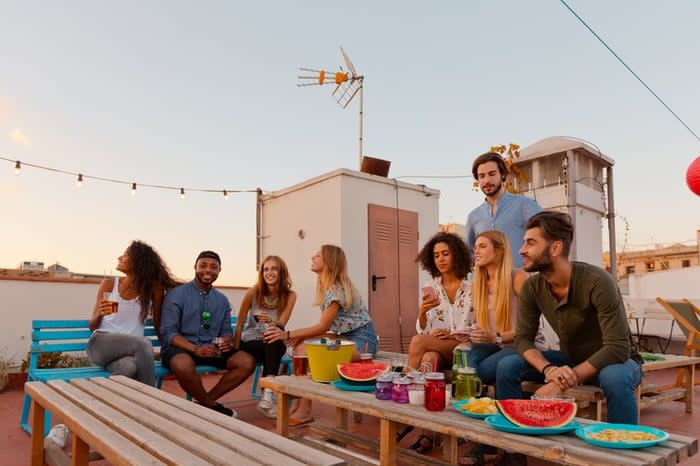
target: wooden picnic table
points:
(563, 449)
(128, 422)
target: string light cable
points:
(630, 69)
(82, 177)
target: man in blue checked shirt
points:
(501, 210)
(194, 315)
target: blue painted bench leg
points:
(286, 362)
(24, 420)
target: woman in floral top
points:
(342, 311)
(446, 306)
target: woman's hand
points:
(479, 335)
(274, 334)
(428, 303)
(441, 333)
(105, 308)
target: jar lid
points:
(419, 380)
(402, 381)
(466, 370)
(385, 377)
(435, 376)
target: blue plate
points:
(498, 422)
(459, 406)
(584, 432)
(343, 385)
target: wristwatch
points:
(499, 338)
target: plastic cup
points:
(561, 398)
(300, 365)
(114, 305)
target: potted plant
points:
(5, 364)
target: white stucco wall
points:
(332, 208)
(24, 300)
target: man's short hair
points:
(490, 157)
(208, 255)
(554, 226)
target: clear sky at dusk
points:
(202, 95)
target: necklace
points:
(271, 302)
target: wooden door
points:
(393, 275)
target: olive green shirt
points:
(590, 321)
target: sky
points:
(203, 95)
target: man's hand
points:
(206, 351)
(563, 376)
(549, 389)
(226, 344)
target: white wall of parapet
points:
(26, 300)
(668, 284)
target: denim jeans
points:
(618, 382)
(123, 354)
(364, 336)
(484, 358)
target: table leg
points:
(283, 414)
(37, 434)
(689, 388)
(341, 418)
(79, 451)
(387, 442)
(449, 448)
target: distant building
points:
(456, 228)
(36, 269)
(31, 266)
(675, 256)
(58, 270)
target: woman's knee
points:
(418, 343)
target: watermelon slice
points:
(537, 413)
(361, 372)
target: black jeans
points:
(269, 354)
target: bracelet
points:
(544, 369)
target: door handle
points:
(374, 281)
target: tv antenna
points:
(347, 85)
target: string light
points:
(82, 177)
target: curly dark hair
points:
(461, 255)
(149, 271)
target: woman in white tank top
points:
(117, 342)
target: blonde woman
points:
(268, 303)
(343, 312)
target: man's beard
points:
(495, 189)
(541, 263)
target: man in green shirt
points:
(583, 305)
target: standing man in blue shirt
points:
(194, 314)
(501, 210)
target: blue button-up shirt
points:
(182, 314)
(512, 211)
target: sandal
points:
(400, 435)
(422, 447)
(477, 455)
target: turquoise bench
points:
(52, 336)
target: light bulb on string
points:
(133, 189)
(79, 183)
(182, 193)
(225, 194)
(18, 167)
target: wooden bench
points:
(71, 336)
(647, 394)
(128, 422)
(562, 449)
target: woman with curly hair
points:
(268, 303)
(446, 308)
(117, 342)
(446, 305)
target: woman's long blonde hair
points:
(335, 273)
(503, 284)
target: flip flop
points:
(295, 422)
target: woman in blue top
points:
(343, 312)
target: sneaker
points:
(267, 408)
(218, 407)
(58, 434)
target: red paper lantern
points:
(692, 176)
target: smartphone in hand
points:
(429, 292)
